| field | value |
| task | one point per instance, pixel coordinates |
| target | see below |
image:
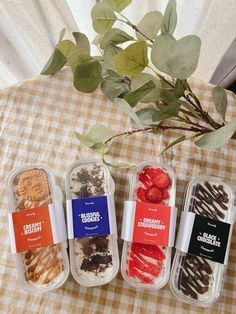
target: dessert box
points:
(148, 226)
(91, 222)
(203, 241)
(37, 228)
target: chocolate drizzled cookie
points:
(196, 275)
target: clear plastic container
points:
(152, 268)
(197, 280)
(46, 268)
(94, 260)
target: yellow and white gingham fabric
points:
(38, 118)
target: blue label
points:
(90, 216)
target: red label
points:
(32, 228)
(151, 223)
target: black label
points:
(209, 238)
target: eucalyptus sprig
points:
(128, 76)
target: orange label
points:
(151, 223)
(32, 228)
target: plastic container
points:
(94, 260)
(154, 270)
(46, 268)
(195, 279)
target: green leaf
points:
(145, 116)
(179, 58)
(149, 25)
(133, 97)
(103, 17)
(170, 18)
(142, 78)
(73, 54)
(87, 76)
(132, 60)
(113, 87)
(166, 112)
(180, 88)
(123, 165)
(118, 5)
(122, 104)
(177, 141)
(217, 138)
(98, 133)
(55, 63)
(109, 53)
(114, 36)
(82, 42)
(220, 100)
(62, 34)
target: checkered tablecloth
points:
(38, 118)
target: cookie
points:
(33, 185)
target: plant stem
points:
(159, 127)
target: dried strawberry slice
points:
(147, 182)
(154, 195)
(153, 172)
(148, 250)
(165, 195)
(162, 181)
(135, 273)
(142, 195)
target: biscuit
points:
(33, 185)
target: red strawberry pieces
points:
(162, 181)
(155, 183)
(154, 195)
(145, 261)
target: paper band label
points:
(204, 237)
(34, 228)
(148, 223)
(91, 216)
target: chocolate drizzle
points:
(209, 200)
(196, 274)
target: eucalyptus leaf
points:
(76, 57)
(134, 96)
(112, 88)
(66, 47)
(103, 17)
(142, 78)
(87, 76)
(122, 165)
(145, 116)
(62, 34)
(177, 141)
(114, 36)
(166, 112)
(118, 5)
(220, 100)
(82, 42)
(55, 63)
(114, 74)
(99, 133)
(179, 58)
(169, 20)
(180, 88)
(149, 25)
(109, 53)
(217, 138)
(123, 105)
(132, 60)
